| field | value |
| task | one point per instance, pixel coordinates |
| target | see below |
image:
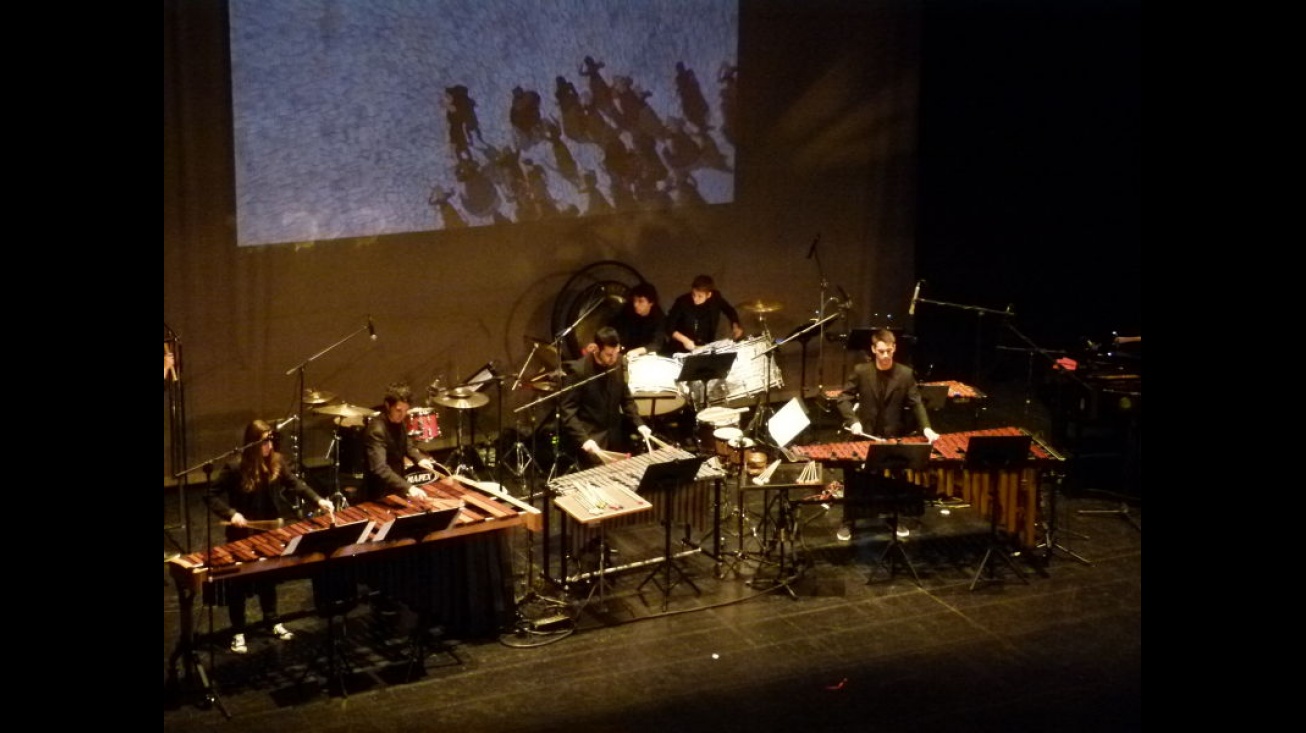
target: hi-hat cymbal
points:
(345, 410)
(316, 397)
(462, 399)
(761, 306)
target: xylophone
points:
(692, 504)
(481, 508)
(947, 476)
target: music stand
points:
(704, 368)
(416, 526)
(666, 477)
(328, 541)
(994, 453)
(934, 396)
(896, 458)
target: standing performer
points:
(250, 490)
(874, 403)
(592, 414)
(385, 440)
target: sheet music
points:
(788, 422)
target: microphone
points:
(371, 329)
(915, 294)
(285, 422)
(812, 250)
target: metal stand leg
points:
(1052, 531)
(995, 548)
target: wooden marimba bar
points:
(947, 476)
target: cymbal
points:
(462, 398)
(545, 352)
(315, 397)
(761, 306)
(345, 410)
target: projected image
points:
(358, 119)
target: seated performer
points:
(694, 316)
(640, 323)
(249, 490)
(591, 416)
(874, 404)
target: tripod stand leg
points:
(996, 551)
(892, 555)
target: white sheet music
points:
(788, 422)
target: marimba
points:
(481, 509)
(1017, 489)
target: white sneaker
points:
(281, 632)
(844, 534)
(238, 644)
(903, 531)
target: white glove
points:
(855, 428)
(645, 431)
(590, 446)
(930, 435)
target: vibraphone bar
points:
(1017, 489)
(693, 504)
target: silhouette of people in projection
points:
(692, 103)
(450, 217)
(684, 191)
(600, 92)
(593, 123)
(726, 77)
(570, 111)
(679, 149)
(539, 203)
(524, 116)
(563, 160)
(477, 193)
(460, 114)
(594, 200)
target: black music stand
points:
(704, 368)
(328, 596)
(993, 453)
(417, 526)
(666, 477)
(897, 459)
(934, 396)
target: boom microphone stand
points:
(299, 395)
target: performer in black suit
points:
(592, 414)
(874, 403)
(876, 397)
(386, 443)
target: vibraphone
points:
(1017, 489)
(692, 504)
(481, 508)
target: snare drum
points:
(423, 424)
(652, 382)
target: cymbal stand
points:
(333, 454)
(299, 370)
(177, 431)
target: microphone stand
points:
(820, 319)
(186, 647)
(978, 311)
(299, 395)
(754, 427)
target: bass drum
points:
(351, 447)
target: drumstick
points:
(258, 523)
(865, 435)
(661, 443)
